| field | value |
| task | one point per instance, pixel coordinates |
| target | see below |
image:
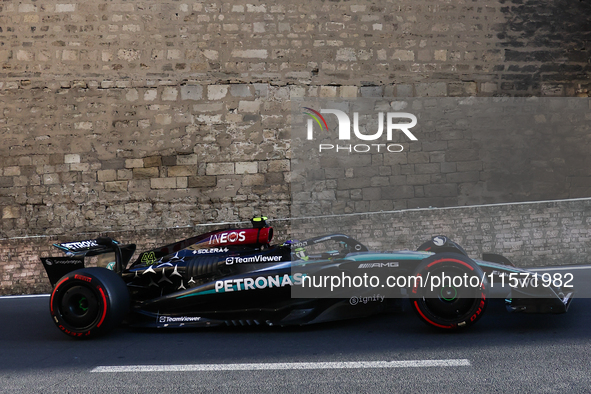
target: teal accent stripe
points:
(212, 291)
(390, 256)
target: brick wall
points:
(21, 271)
(530, 234)
(420, 46)
(468, 151)
(120, 116)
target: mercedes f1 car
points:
(238, 277)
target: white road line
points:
(24, 296)
(284, 366)
(561, 268)
(319, 217)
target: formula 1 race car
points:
(237, 277)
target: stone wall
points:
(468, 151)
(126, 116)
(530, 234)
(21, 271)
(420, 47)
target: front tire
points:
(449, 304)
(89, 302)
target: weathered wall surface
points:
(21, 271)
(531, 234)
(133, 115)
(444, 47)
(468, 151)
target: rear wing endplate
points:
(56, 267)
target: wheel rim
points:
(450, 303)
(448, 293)
(450, 310)
(79, 307)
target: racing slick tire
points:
(89, 302)
(449, 304)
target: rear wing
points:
(90, 247)
(56, 267)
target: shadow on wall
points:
(546, 44)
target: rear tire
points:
(449, 307)
(89, 302)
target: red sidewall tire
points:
(449, 307)
(89, 302)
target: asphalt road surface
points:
(391, 353)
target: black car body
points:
(237, 277)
